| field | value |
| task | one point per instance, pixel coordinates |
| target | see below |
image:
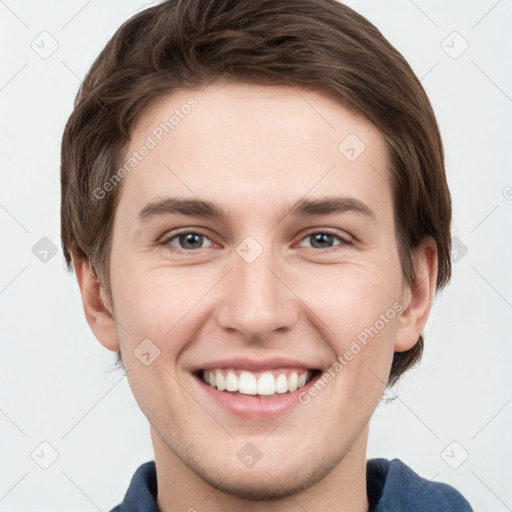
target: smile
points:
(264, 383)
(253, 388)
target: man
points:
(255, 205)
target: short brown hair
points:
(313, 43)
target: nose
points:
(256, 300)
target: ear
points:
(98, 312)
(417, 298)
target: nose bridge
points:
(257, 302)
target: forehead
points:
(247, 144)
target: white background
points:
(56, 386)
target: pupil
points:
(188, 240)
(322, 237)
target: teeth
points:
(281, 383)
(266, 384)
(293, 382)
(248, 383)
(220, 380)
(231, 382)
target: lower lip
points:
(254, 406)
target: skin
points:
(253, 150)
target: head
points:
(255, 108)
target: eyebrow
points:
(207, 209)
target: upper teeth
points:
(249, 383)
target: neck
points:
(341, 490)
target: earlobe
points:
(418, 297)
(97, 310)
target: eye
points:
(324, 239)
(186, 240)
(190, 240)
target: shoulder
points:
(392, 485)
(142, 491)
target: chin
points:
(268, 482)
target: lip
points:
(254, 365)
(254, 407)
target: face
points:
(254, 249)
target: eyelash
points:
(343, 241)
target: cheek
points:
(152, 304)
(363, 349)
(354, 298)
(170, 307)
(361, 309)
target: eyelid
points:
(344, 240)
(347, 239)
(165, 240)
